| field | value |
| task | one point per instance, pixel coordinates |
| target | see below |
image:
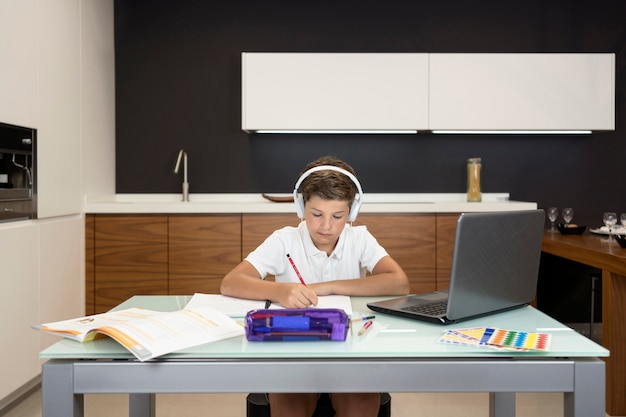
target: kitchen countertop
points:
(256, 203)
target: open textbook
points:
(238, 307)
(148, 334)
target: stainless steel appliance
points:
(18, 183)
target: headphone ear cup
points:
(299, 206)
(354, 210)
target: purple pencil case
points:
(297, 324)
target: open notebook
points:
(495, 266)
(238, 307)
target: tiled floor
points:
(234, 405)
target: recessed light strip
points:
(413, 132)
(342, 131)
(513, 132)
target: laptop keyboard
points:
(436, 308)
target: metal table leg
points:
(57, 391)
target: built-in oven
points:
(18, 184)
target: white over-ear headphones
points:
(356, 204)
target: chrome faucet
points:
(183, 155)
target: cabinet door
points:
(446, 233)
(411, 240)
(19, 286)
(60, 250)
(90, 270)
(130, 258)
(59, 183)
(202, 249)
(256, 228)
(19, 56)
(522, 91)
(334, 91)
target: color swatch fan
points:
(497, 338)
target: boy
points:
(328, 256)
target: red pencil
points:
(293, 265)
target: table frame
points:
(582, 380)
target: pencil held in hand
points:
(293, 265)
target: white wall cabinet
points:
(18, 61)
(522, 91)
(41, 264)
(334, 91)
(40, 83)
(550, 91)
(61, 243)
(58, 127)
(19, 286)
(42, 261)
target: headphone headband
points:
(356, 204)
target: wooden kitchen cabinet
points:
(411, 240)
(446, 234)
(129, 255)
(408, 238)
(202, 249)
(181, 254)
(130, 258)
(90, 273)
(255, 228)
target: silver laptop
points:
(495, 266)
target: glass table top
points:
(388, 338)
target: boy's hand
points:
(296, 296)
(323, 288)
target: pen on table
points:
(363, 318)
(366, 326)
(268, 303)
(293, 265)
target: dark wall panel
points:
(178, 85)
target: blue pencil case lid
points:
(297, 324)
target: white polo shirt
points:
(357, 252)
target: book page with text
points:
(148, 334)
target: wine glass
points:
(568, 215)
(553, 214)
(622, 219)
(610, 219)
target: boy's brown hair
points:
(329, 184)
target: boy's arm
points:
(388, 278)
(244, 281)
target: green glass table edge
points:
(392, 338)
